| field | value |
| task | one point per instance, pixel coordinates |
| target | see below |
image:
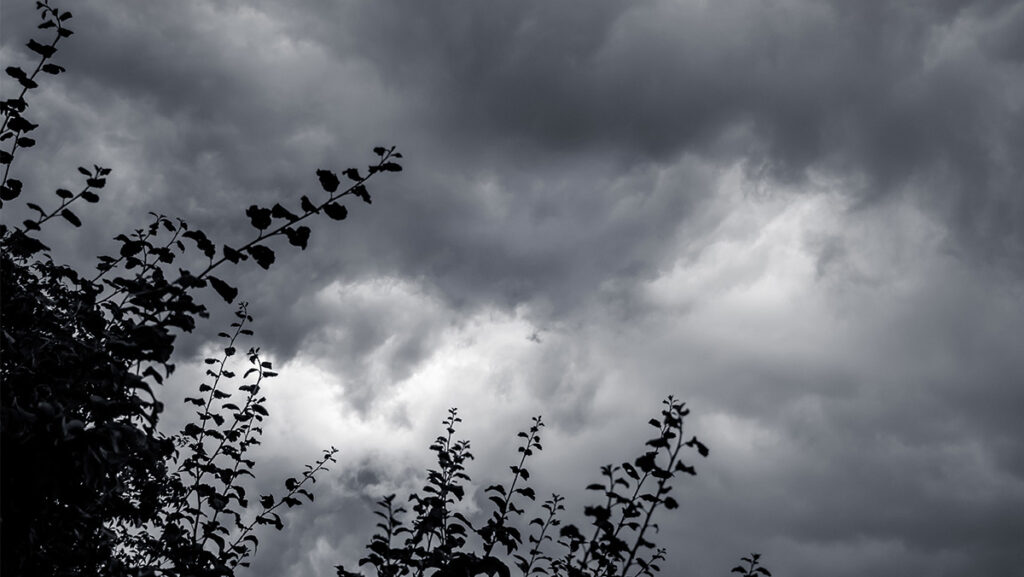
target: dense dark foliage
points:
(90, 487)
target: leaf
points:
(19, 124)
(5, 157)
(379, 150)
(44, 51)
(738, 569)
(685, 468)
(527, 492)
(278, 211)
(352, 174)
(298, 237)
(671, 503)
(391, 167)
(263, 255)
(26, 142)
(70, 217)
(10, 190)
(90, 196)
(307, 205)
(328, 180)
(96, 182)
(362, 193)
(202, 243)
(226, 291)
(234, 255)
(52, 68)
(64, 193)
(336, 211)
(701, 448)
(15, 72)
(258, 217)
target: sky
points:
(805, 219)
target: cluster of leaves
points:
(206, 524)
(89, 486)
(440, 540)
(753, 568)
(16, 127)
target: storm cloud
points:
(803, 218)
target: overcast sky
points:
(804, 218)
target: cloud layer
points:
(804, 218)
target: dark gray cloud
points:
(805, 218)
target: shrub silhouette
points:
(91, 487)
(441, 541)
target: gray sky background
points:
(803, 218)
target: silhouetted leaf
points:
(90, 196)
(96, 182)
(263, 255)
(15, 72)
(20, 124)
(70, 217)
(45, 51)
(362, 193)
(307, 205)
(336, 211)
(202, 242)
(258, 217)
(278, 211)
(226, 291)
(352, 174)
(685, 468)
(703, 450)
(64, 193)
(328, 180)
(52, 68)
(298, 236)
(233, 255)
(10, 190)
